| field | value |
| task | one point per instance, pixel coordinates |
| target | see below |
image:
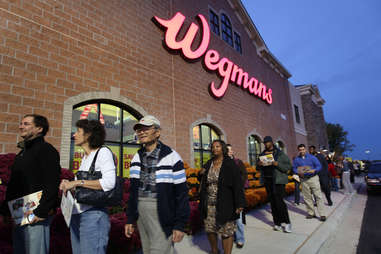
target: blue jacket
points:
(308, 160)
(172, 191)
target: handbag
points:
(99, 198)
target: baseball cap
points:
(148, 120)
(267, 139)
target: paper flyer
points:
(67, 204)
(305, 170)
(18, 207)
(267, 159)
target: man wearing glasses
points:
(158, 201)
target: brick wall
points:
(51, 51)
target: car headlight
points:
(372, 180)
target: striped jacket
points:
(171, 187)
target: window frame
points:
(297, 113)
(226, 28)
(237, 44)
(213, 25)
(120, 143)
(254, 154)
(201, 150)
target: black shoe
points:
(323, 218)
(239, 245)
(330, 203)
(310, 216)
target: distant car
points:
(373, 177)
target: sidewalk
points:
(307, 236)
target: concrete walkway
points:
(307, 236)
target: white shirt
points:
(105, 164)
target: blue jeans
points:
(240, 233)
(32, 239)
(89, 231)
(335, 185)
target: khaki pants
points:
(311, 187)
(154, 240)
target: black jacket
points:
(36, 167)
(230, 195)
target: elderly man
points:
(158, 194)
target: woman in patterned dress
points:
(221, 197)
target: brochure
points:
(305, 170)
(67, 204)
(18, 207)
(267, 159)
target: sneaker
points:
(277, 228)
(310, 216)
(287, 228)
(323, 218)
(239, 245)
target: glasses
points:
(145, 129)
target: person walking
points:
(90, 225)
(323, 173)
(158, 201)
(221, 197)
(36, 168)
(347, 185)
(275, 176)
(307, 167)
(239, 235)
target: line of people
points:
(158, 205)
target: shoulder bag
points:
(99, 198)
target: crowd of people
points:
(158, 205)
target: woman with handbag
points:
(90, 224)
(221, 197)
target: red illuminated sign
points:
(229, 71)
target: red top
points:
(331, 168)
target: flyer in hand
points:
(267, 159)
(67, 204)
(18, 207)
(305, 170)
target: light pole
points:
(367, 151)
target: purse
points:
(99, 198)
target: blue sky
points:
(337, 46)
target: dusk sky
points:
(337, 46)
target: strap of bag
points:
(92, 167)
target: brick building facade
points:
(75, 58)
(315, 124)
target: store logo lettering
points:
(226, 68)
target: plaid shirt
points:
(147, 186)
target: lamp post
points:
(367, 151)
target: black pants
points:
(276, 193)
(325, 187)
(297, 192)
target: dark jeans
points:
(276, 193)
(297, 192)
(326, 188)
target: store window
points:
(214, 22)
(203, 136)
(280, 145)
(237, 43)
(297, 116)
(120, 136)
(254, 144)
(226, 27)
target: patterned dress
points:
(226, 230)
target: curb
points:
(315, 241)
